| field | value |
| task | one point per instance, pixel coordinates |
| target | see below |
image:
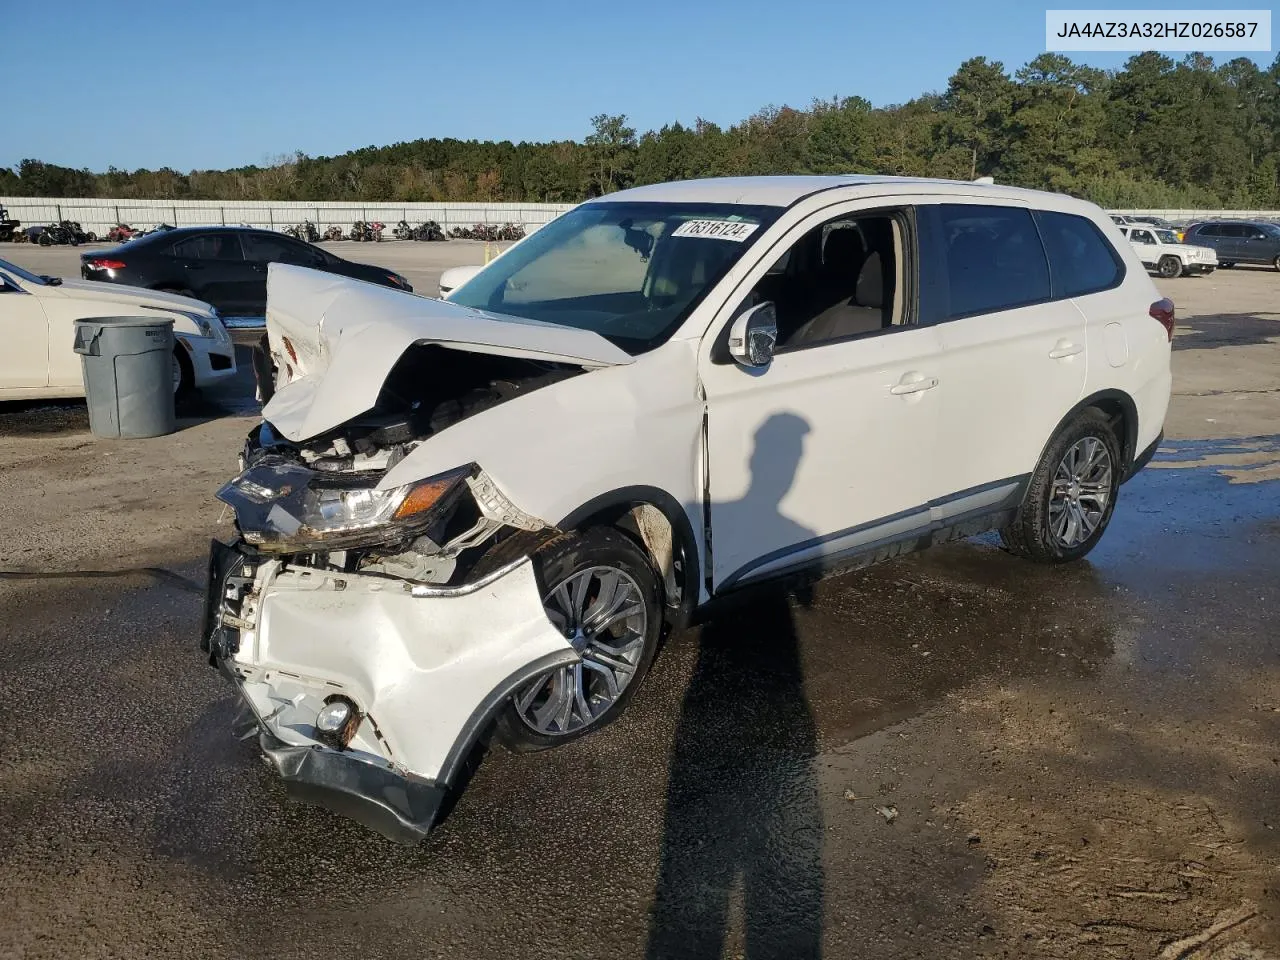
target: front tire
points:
(602, 591)
(1072, 493)
(1170, 266)
(184, 378)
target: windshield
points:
(630, 272)
(1167, 236)
(15, 271)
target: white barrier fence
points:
(99, 215)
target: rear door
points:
(1013, 356)
(1144, 242)
(215, 270)
(24, 338)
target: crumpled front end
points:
(367, 692)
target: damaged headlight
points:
(284, 507)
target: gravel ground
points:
(950, 755)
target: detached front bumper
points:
(427, 668)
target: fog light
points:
(337, 722)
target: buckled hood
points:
(335, 341)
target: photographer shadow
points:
(742, 808)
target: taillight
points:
(1162, 310)
(107, 264)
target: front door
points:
(215, 270)
(24, 358)
(829, 448)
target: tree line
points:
(1157, 133)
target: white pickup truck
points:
(1160, 251)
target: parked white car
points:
(1160, 251)
(484, 513)
(38, 314)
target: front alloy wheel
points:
(601, 612)
(1170, 267)
(601, 591)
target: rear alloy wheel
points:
(1276, 263)
(602, 593)
(1170, 266)
(1072, 493)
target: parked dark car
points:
(1238, 241)
(224, 266)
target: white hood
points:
(346, 336)
(134, 296)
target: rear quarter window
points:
(1081, 260)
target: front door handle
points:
(913, 383)
(1065, 348)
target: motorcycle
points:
(121, 233)
(403, 231)
(376, 229)
(8, 228)
(334, 233)
(429, 231)
(59, 233)
(361, 231)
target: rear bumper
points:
(1143, 458)
(427, 668)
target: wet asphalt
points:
(732, 812)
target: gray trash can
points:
(128, 375)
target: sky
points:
(227, 83)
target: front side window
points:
(1167, 236)
(265, 248)
(841, 279)
(630, 272)
(995, 260)
(209, 246)
(1141, 236)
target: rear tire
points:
(1227, 265)
(1072, 493)
(1170, 266)
(597, 574)
(1276, 263)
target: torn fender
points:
(344, 336)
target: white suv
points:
(483, 514)
(1159, 250)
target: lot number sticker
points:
(717, 229)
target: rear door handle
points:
(1065, 348)
(913, 383)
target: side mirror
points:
(753, 335)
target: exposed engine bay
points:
(428, 390)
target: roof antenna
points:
(989, 181)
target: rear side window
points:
(1208, 230)
(994, 258)
(209, 246)
(1080, 258)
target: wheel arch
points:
(631, 510)
(1119, 408)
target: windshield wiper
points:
(51, 281)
